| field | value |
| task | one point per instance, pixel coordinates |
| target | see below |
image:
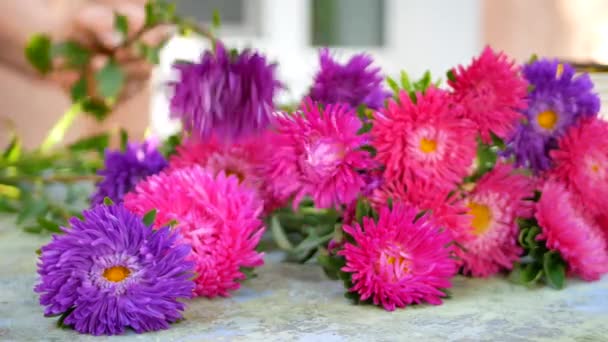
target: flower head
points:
(424, 140)
(110, 271)
(123, 170)
(581, 162)
(399, 260)
(318, 153)
(558, 101)
(498, 199)
(225, 94)
(244, 159)
(570, 231)
(353, 83)
(216, 215)
(492, 92)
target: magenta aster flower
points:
(424, 140)
(399, 260)
(568, 230)
(581, 162)
(498, 199)
(216, 215)
(244, 159)
(317, 152)
(353, 83)
(492, 93)
(229, 95)
(123, 170)
(110, 271)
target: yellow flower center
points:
(559, 71)
(547, 119)
(482, 217)
(595, 168)
(116, 273)
(428, 145)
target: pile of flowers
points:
(396, 190)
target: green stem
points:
(57, 133)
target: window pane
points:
(347, 22)
(231, 11)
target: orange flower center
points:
(428, 145)
(559, 71)
(235, 172)
(116, 273)
(547, 119)
(595, 168)
(482, 217)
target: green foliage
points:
(539, 263)
(149, 217)
(74, 55)
(98, 109)
(121, 24)
(79, 90)
(107, 201)
(38, 53)
(110, 80)
(412, 88)
(98, 142)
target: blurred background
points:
(401, 34)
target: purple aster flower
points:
(228, 94)
(123, 170)
(353, 83)
(557, 101)
(110, 271)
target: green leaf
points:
(216, 21)
(169, 146)
(75, 55)
(107, 201)
(533, 58)
(121, 24)
(150, 53)
(370, 149)
(96, 108)
(124, 139)
(521, 238)
(110, 80)
(48, 225)
(393, 85)
(98, 142)
(63, 316)
(79, 90)
(365, 128)
(331, 264)
(279, 235)
(149, 217)
(555, 269)
(405, 81)
(362, 209)
(33, 229)
(450, 75)
(531, 273)
(249, 272)
(530, 239)
(12, 153)
(38, 53)
(32, 208)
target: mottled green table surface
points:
(296, 302)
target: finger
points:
(65, 78)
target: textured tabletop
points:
(296, 302)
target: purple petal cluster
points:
(353, 83)
(123, 170)
(227, 95)
(110, 271)
(557, 101)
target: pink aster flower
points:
(498, 199)
(317, 152)
(216, 215)
(581, 162)
(424, 140)
(492, 93)
(447, 210)
(399, 260)
(569, 231)
(244, 159)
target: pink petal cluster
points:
(399, 260)
(499, 198)
(216, 215)
(492, 93)
(244, 159)
(581, 162)
(568, 229)
(424, 140)
(317, 153)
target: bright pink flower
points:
(447, 210)
(399, 260)
(244, 159)
(317, 152)
(570, 231)
(498, 199)
(424, 140)
(492, 93)
(581, 162)
(216, 215)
